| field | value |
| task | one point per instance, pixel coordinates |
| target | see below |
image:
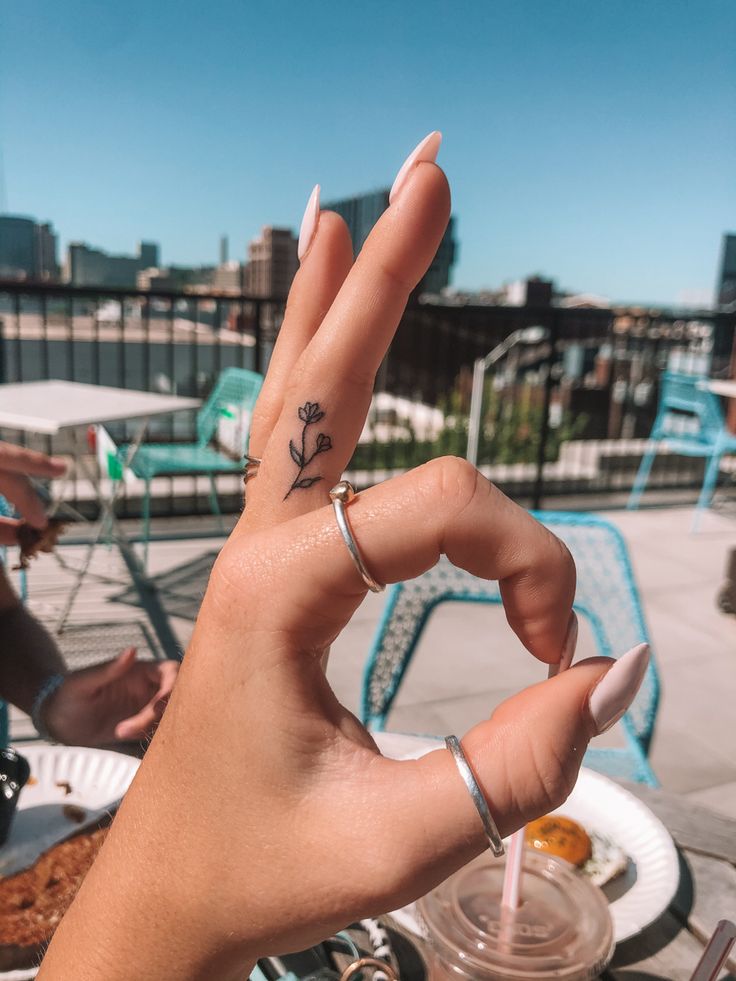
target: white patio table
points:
(727, 388)
(49, 407)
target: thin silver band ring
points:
(341, 495)
(252, 463)
(481, 805)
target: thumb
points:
(525, 758)
(118, 667)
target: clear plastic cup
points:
(562, 930)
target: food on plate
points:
(598, 857)
(65, 786)
(560, 836)
(33, 902)
(32, 541)
(72, 812)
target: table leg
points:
(106, 521)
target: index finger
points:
(16, 459)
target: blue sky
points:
(590, 140)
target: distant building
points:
(86, 266)
(148, 254)
(272, 263)
(174, 279)
(531, 292)
(27, 249)
(727, 278)
(229, 276)
(584, 301)
(363, 211)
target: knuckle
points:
(395, 280)
(357, 377)
(454, 481)
(556, 777)
(560, 558)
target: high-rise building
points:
(27, 249)
(727, 278)
(148, 254)
(86, 266)
(363, 211)
(272, 263)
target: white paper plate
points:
(645, 890)
(98, 779)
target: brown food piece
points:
(65, 786)
(32, 541)
(33, 902)
(74, 813)
(560, 836)
(32, 781)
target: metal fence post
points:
(538, 493)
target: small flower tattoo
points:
(309, 413)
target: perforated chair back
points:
(236, 387)
(683, 399)
(606, 597)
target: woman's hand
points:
(119, 700)
(263, 817)
(17, 466)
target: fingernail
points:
(426, 151)
(568, 648)
(309, 223)
(616, 690)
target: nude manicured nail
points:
(616, 690)
(309, 223)
(568, 648)
(426, 151)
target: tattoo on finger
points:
(309, 414)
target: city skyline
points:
(590, 143)
(270, 263)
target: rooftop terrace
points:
(679, 575)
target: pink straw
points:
(511, 895)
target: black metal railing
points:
(564, 418)
(157, 341)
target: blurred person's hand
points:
(120, 700)
(17, 465)
(263, 817)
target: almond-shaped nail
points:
(568, 648)
(309, 223)
(616, 690)
(426, 151)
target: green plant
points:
(510, 433)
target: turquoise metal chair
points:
(606, 597)
(689, 421)
(236, 389)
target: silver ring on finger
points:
(252, 463)
(341, 495)
(481, 804)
